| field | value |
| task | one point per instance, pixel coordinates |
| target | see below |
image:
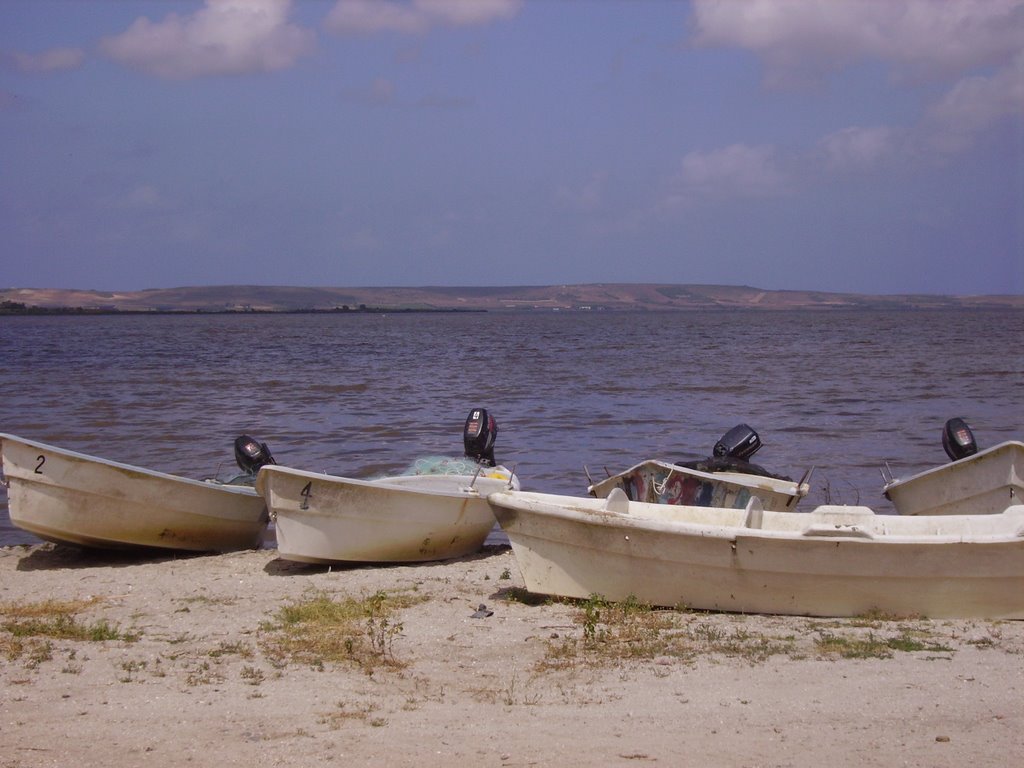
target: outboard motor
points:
(478, 436)
(251, 454)
(731, 454)
(958, 440)
(740, 442)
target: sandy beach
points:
(191, 664)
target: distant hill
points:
(587, 297)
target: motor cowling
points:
(958, 440)
(731, 454)
(478, 436)
(740, 442)
(251, 454)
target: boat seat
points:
(754, 513)
(617, 501)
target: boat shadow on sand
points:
(282, 567)
(52, 557)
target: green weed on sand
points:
(318, 630)
(28, 628)
(611, 632)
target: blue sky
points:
(870, 146)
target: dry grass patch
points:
(361, 711)
(877, 646)
(609, 633)
(631, 630)
(235, 648)
(28, 628)
(319, 630)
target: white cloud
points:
(142, 198)
(974, 104)
(224, 37)
(54, 60)
(974, 45)
(922, 37)
(857, 147)
(952, 124)
(415, 16)
(736, 171)
(469, 12)
(365, 16)
(589, 196)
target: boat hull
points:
(417, 518)
(834, 561)
(73, 498)
(659, 482)
(986, 483)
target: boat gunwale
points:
(241, 490)
(380, 484)
(901, 482)
(745, 479)
(592, 515)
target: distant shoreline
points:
(91, 312)
(597, 297)
(77, 311)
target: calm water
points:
(363, 394)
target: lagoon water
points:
(365, 394)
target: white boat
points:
(436, 510)
(986, 482)
(322, 518)
(833, 561)
(660, 482)
(725, 479)
(73, 498)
